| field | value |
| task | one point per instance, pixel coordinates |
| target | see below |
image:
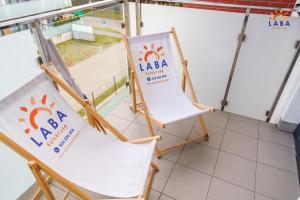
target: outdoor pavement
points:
(245, 159)
(96, 73)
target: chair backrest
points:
(38, 119)
(32, 112)
(155, 67)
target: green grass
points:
(65, 21)
(74, 51)
(104, 40)
(108, 14)
(111, 30)
(104, 95)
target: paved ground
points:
(102, 22)
(245, 159)
(96, 73)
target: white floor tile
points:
(181, 128)
(275, 183)
(243, 125)
(199, 157)
(236, 170)
(136, 131)
(117, 122)
(277, 156)
(221, 190)
(187, 184)
(169, 140)
(217, 118)
(269, 133)
(154, 195)
(123, 111)
(215, 135)
(261, 197)
(239, 144)
(162, 176)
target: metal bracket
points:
(267, 113)
(40, 60)
(127, 84)
(123, 25)
(297, 43)
(242, 37)
(142, 24)
(224, 103)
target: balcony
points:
(240, 62)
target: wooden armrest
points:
(145, 140)
(203, 107)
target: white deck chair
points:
(153, 72)
(37, 123)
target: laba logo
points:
(152, 51)
(52, 123)
(279, 20)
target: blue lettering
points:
(281, 23)
(141, 68)
(149, 66)
(45, 132)
(164, 63)
(53, 123)
(36, 142)
(275, 23)
(270, 23)
(287, 23)
(156, 64)
(61, 115)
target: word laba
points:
(53, 125)
(155, 65)
(280, 23)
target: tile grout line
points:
(212, 176)
(255, 174)
(175, 162)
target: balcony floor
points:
(245, 159)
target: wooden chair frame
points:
(143, 109)
(95, 120)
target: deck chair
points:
(153, 73)
(38, 124)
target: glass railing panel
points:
(208, 40)
(90, 43)
(263, 62)
(16, 10)
(15, 174)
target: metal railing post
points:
(128, 34)
(138, 17)
(241, 38)
(285, 80)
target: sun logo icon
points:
(152, 50)
(32, 114)
(279, 13)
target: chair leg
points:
(133, 92)
(203, 126)
(38, 193)
(40, 179)
(154, 169)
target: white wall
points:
(15, 50)
(292, 114)
(10, 11)
(289, 94)
(209, 39)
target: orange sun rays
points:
(151, 51)
(33, 113)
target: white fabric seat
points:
(94, 161)
(155, 68)
(34, 115)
